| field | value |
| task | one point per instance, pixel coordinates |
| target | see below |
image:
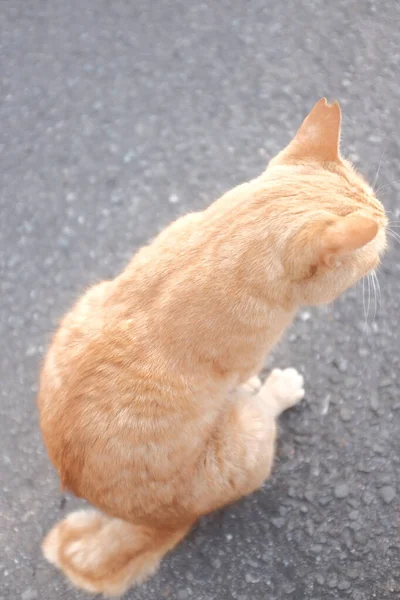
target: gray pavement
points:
(115, 117)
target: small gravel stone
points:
(345, 414)
(378, 449)
(129, 156)
(266, 557)
(341, 490)
(347, 538)
(253, 563)
(350, 382)
(344, 585)
(320, 579)
(386, 382)
(353, 502)
(324, 500)
(353, 515)
(374, 401)
(384, 479)
(216, 563)
(368, 498)
(309, 495)
(364, 468)
(310, 527)
(361, 537)
(353, 574)
(278, 522)
(374, 139)
(252, 578)
(388, 493)
(332, 580)
(305, 315)
(31, 351)
(183, 595)
(335, 377)
(341, 364)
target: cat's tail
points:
(104, 555)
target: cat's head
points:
(329, 224)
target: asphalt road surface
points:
(115, 117)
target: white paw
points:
(253, 385)
(286, 386)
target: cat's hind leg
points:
(239, 454)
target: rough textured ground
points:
(114, 118)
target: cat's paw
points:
(285, 386)
(252, 385)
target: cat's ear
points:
(344, 235)
(318, 138)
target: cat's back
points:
(105, 389)
(117, 389)
(85, 365)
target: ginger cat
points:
(150, 408)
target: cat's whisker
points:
(378, 287)
(364, 306)
(384, 186)
(369, 296)
(372, 280)
(369, 292)
(394, 235)
(375, 294)
(377, 173)
(366, 303)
